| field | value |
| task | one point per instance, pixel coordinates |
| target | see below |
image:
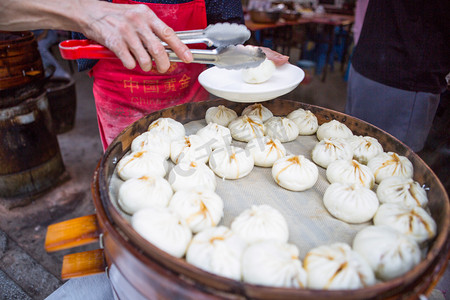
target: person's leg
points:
(378, 104)
(406, 115)
(349, 103)
(421, 119)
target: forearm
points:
(132, 32)
(43, 14)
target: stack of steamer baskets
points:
(21, 69)
(143, 271)
(30, 158)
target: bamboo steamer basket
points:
(20, 60)
(21, 70)
(150, 273)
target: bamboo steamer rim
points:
(414, 280)
(21, 36)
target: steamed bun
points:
(260, 74)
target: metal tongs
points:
(226, 37)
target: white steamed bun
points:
(329, 150)
(389, 253)
(217, 250)
(188, 175)
(190, 148)
(168, 127)
(142, 163)
(245, 128)
(389, 164)
(273, 263)
(200, 208)
(306, 121)
(281, 128)
(295, 173)
(414, 221)
(220, 115)
(365, 148)
(259, 223)
(231, 162)
(265, 150)
(163, 228)
(351, 203)
(333, 129)
(153, 141)
(138, 193)
(350, 171)
(259, 74)
(258, 110)
(217, 136)
(402, 190)
(337, 267)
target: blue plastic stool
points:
(306, 64)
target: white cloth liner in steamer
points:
(310, 224)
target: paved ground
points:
(26, 270)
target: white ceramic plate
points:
(228, 84)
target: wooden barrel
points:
(62, 100)
(21, 69)
(30, 157)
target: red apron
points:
(123, 96)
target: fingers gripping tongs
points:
(227, 38)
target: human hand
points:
(277, 58)
(133, 33)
